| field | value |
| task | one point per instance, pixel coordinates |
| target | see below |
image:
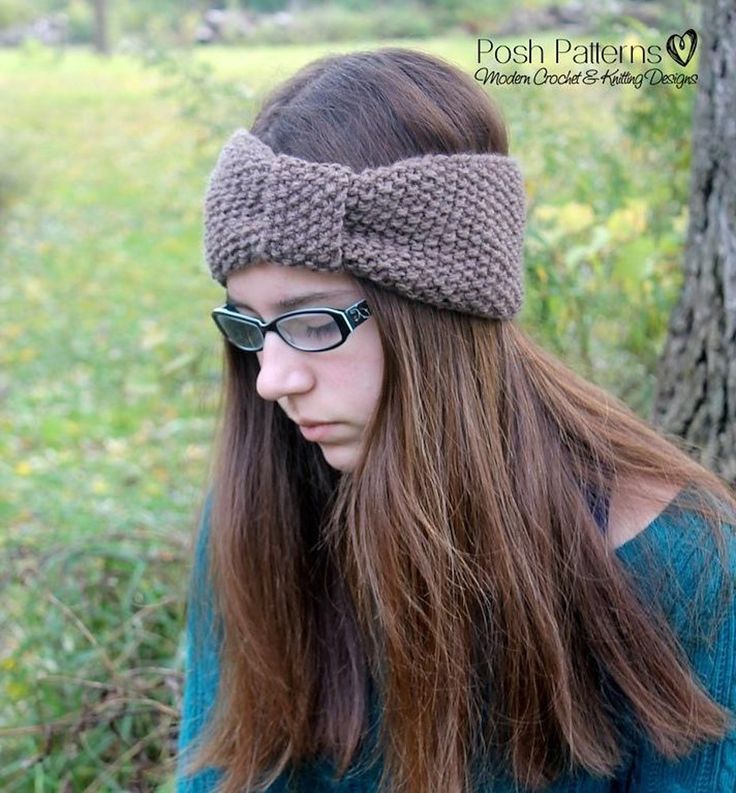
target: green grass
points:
(109, 362)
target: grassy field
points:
(109, 362)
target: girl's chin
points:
(341, 457)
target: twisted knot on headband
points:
(444, 229)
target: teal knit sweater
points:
(674, 540)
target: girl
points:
(433, 559)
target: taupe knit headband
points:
(442, 229)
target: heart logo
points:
(682, 48)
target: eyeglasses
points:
(310, 330)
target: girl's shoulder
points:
(686, 564)
(666, 525)
(631, 509)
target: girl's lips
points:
(318, 431)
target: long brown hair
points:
(457, 573)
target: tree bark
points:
(102, 27)
(696, 375)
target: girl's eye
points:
(321, 330)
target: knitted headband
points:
(442, 229)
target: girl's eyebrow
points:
(293, 302)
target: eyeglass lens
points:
(308, 332)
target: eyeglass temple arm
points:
(357, 314)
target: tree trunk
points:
(696, 376)
(102, 28)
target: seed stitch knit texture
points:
(444, 229)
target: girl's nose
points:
(283, 370)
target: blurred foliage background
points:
(183, 22)
(109, 362)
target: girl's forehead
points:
(276, 277)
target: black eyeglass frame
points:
(347, 321)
